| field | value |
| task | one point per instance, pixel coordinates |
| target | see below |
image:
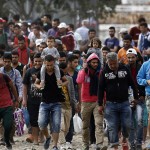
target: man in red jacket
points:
(6, 106)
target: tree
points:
(73, 9)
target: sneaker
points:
(125, 146)
(55, 148)
(85, 147)
(29, 139)
(62, 147)
(68, 145)
(93, 146)
(47, 143)
(8, 146)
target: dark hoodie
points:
(115, 85)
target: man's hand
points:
(24, 103)
(148, 82)
(16, 104)
(101, 109)
(78, 107)
(20, 99)
(142, 98)
(134, 103)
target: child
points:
(50, 50)
(96, 48)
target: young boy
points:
(50, 50)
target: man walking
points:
(50, 107)
(88, 85)
(115, 80)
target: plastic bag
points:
(26, 116)
(19, 121)
(77, 123)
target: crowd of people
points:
(56, 71)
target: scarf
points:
(93, 74)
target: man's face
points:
(7, 63)
(36, 32)
(21, 44)
(94, 63)
(50, 42)
(62, 59)
(111, 32)
(62, 30)
(54, 24)
(131, 59)
(38, 62)
(23, 27)
(74, 64)
(41, 47)
(45, 19)
(11, 27)
(49, 65)
(113, 64)
(92, 35)
(143, 29)
(17, 31)
(65, 71)
(105, 52)
(15, 59)
(126, 44)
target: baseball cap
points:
(38, 42)
(2, 20)
(131, 51)
(62, 25)
(123, 30)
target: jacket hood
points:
(92, 56)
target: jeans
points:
(7, 115)
(117, 114)
(50, 112)
(136, 132)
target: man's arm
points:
(65, 81)
(131, 82)
(37, 83)
(24, 102)
(79, 91)
(18, 82)
(13, 90)
(114, 49)
(141, 76)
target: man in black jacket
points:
(115, 80)
(136, 132)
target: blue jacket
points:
(144, 75)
